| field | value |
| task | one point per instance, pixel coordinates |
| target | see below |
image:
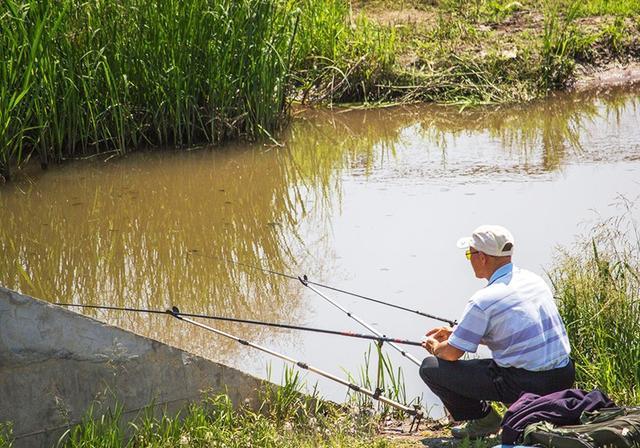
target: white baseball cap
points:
(489, 239)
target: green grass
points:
(5, 435)
(340, 56)
(473, 52)
(497, 10)
(598, 293)
(623, 8)
(286, 418)
(215, 422)
(387, 378)
(85, 77)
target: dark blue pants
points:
(467, 386)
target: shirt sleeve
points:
(471, 329)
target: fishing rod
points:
(305, 281)
(379, 339)
(407, 355)
(416, 412)
(360, 296)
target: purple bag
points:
(560, 408)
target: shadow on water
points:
(156, 229)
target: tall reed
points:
(559, 41)
(19, 49)
(598, 293)
(389, 380)
(83, 77)
(339, 56)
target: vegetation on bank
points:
(5, 435)
(80, 78)
(492, 51)
(292, 423)
(598, 292)
(287, 422)
(286, 417)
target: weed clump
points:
(598, 293)
(286, 419)
(5, 435)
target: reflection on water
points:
(126, 234)
(158, 229)
(440, 142)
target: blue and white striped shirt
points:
(516, 317)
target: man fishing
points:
(515, 316)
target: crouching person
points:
(516, 317)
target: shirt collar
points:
(501, 272)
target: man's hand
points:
(437, 344)
(430, 344)
(439, 333)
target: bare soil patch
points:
(612, 75)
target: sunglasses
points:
(469, 253)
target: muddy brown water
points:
(368, 201)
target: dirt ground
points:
(430, 433)
(603, 71)
(615, 74)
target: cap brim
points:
(464, 243)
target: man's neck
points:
(499, 263)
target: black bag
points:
(613, 427)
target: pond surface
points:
(368, 201)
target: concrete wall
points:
(55, 363)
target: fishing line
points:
(350, 334)
(407, 355)
(416, 411)
(360, 296)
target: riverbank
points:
(486, 52)
(286, 420)
(82, 79)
